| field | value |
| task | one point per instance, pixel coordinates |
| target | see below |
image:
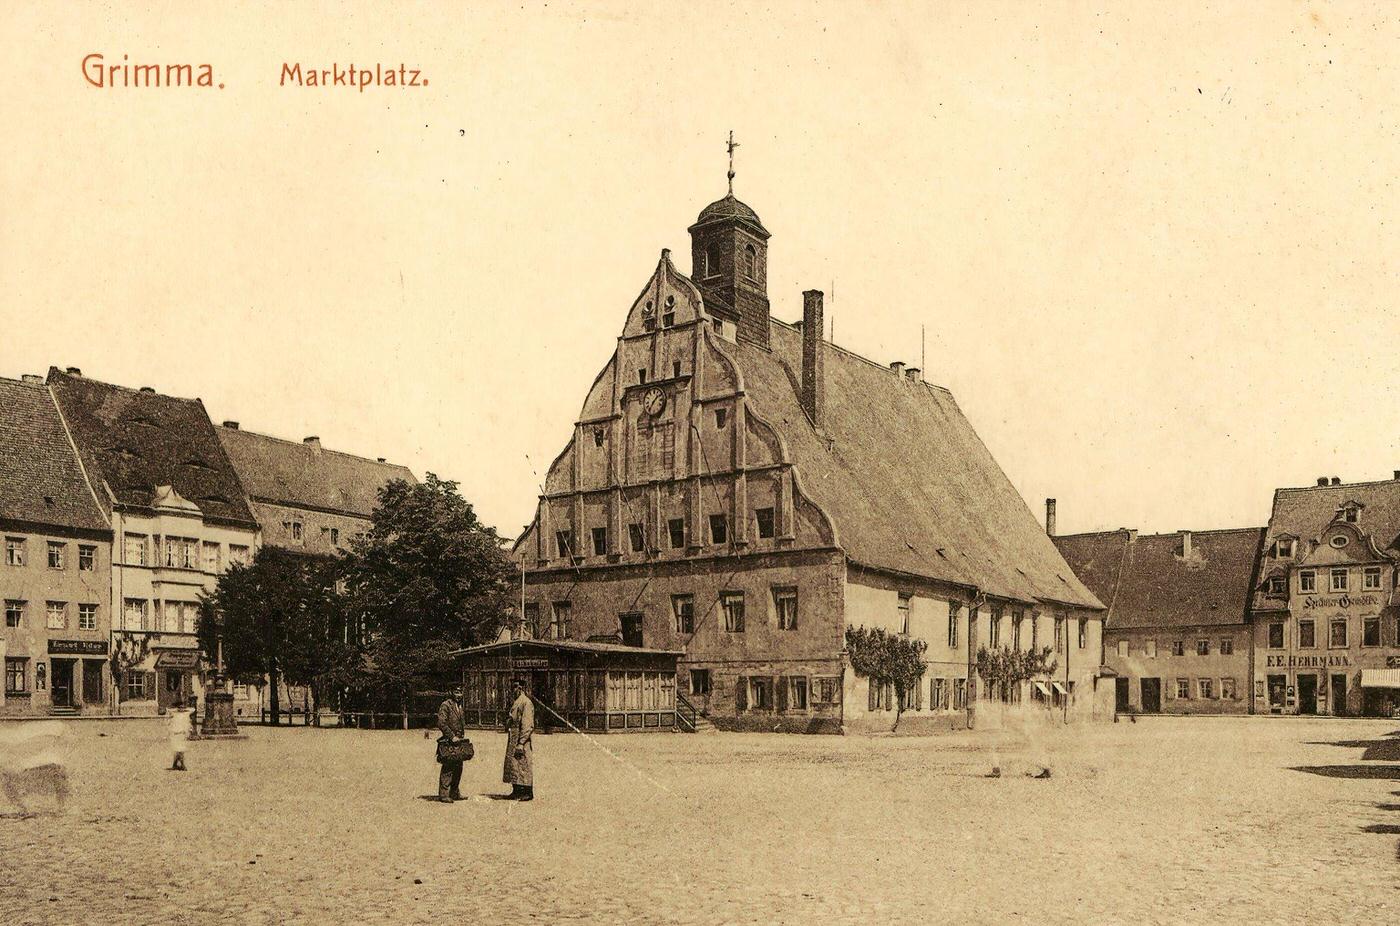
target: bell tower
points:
(729, 262)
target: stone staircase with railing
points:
(689, 719)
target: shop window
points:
(1371, 578)
(1183, 689)
(1338, 580)
(1307, 581)
(1371, 631)
(700, 681)
(903, 606)
(600, 541)
(676, 528)
(719, 529)
(1276, 636)
(56, 551)
(683, 607)
(1307, 634)
(953, 621)
(14, 613)
(636, 537)
(785, 605)
(764, 519)
(1227, 646)
(1338, 635)
(733, 605)
(1202, 647)
(87, 617)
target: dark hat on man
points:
(518, 680)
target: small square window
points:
(676, 528)
(1307, 581)
(733, 605)
(56, 551)
(87, 617)
(764, 517)
(636, 537)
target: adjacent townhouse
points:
(55, 576)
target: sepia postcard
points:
(638, 462)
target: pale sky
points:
(1155, 252)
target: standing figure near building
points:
(452, 728)
(181, 726)
(519, 767)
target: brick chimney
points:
(34, 379)
(898, 367)
(1336, 480)
(1050, 517)
(231, 425)
(813, 357)
(313, 442)
(1185, 544)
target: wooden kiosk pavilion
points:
(593, 687)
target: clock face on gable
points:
(654, 401)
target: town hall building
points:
(738, 489)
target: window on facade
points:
(87, 617)
(1083, 632)
(1349, 514)
(1207, 687)
(16, 675)
(676, 528)
(1277, 585)
(636, 537)
(668, 318)
(959, 694)
(654, 450)
(1276, 636)
(641, 377)
(1183, 689)
(700, 682)
(1371, 577)
(600, 541)
(785, 605)
(711, 262)
(826, 690)
(87, 556)
(631, 625)
(1178, 648)
(995, 631)
(559, 621)
(761, 694)
(238, 554)
(750, 262)
(719, 529)
(733, 605)
(56, 550)
(764, 518)
(1123, 648)
(683, 607)
(938, 694)
(953, 621)
(797, 692)
(211, 555)
(1371, 631)
(14, 551)
(134, 614)
(598, 437)
(532, 619)
(1307, 581)
(1338, 580)
(1149, 649)
(1307, 634)
(1227, 689)
(564, 543)
(1059, 633)
(721, 417)
(1283, 548)
(1227, 646)
(1016, 618)
(136, 687)
(55, 615)
(903, 606)
(14, 613)
(1338, 635)
(1202, 647)
(297, 531)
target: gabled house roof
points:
(906, 481)
(135, 441)
(1148, 582)
(303, 474)
(1305, 512)
(41, 478)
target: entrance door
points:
(1120, 695)
(92, 682)
(1152, 696)
(62, 682)
(1339, 695)
(1307, 694)
(543, 696)
(1278, 690)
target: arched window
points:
(750, 262)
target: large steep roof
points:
(41, 480)
(136, 441)
(302, 474)
(1304, 512)
(1147, 582)
(907, 482)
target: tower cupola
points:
(729, 262)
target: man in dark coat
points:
(519, 770)
(451, 727)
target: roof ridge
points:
(1341, 485)
(796, 328)
(138, 390)
(374, 461)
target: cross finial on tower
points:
(732, 145)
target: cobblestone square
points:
(1192, 820)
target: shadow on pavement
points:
(1382, 750)
(1391, 772)
(1389, 829)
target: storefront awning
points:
(185, 659)
(1040, 687)
(1380, 678)
(1058, 687)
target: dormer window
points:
(1349, 514)
(750, 262)
(1277, 585)
(1283, 548)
